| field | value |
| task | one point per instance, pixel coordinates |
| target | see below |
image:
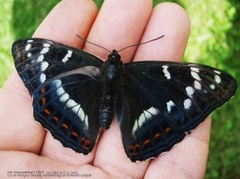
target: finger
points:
(68, 18)
(18, 131)
(170, 20)
(118, 24)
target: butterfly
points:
(76, 96)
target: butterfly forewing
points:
(65, 87)
(35, 56)
(163, 100)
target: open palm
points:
(26, 146)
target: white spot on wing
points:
(195, 75)
(166, 72)
(67, 56)
(44, 50)
(46, 45)
(44, 66)
(76, 108)
(218, 72)
(57, 83)
(84, 117)
(195, 69)
(197, 85)
(146, 115)
(40, 58)
(187, 103)
(142, 118)
(190, 91)
(28, 46)
(153, 111)
(64, 96)
(71, 103)
(212, 86)
(170, 104)
(42, 77)
(217, 79)
(29, 54)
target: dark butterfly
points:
(75, 96)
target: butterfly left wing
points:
(65, 86)
(161, 101)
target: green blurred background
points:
(214, 40)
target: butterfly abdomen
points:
(110, 84)
(107, 110)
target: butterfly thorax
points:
(111, 80)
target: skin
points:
(26, 146)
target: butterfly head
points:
(114, 56)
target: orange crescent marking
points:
(74, 134)
(85, 143)
(43, 100)
(167, 129)
(43, 90)
(47, 111)
(146, 142)
(55, 119)
(157, 135)
(132, 149)
(64, 125)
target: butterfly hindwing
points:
(164, 100)
(64, 84)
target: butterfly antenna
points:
(134, 45)
(85, 40)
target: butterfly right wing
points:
(162, 101)
(64, 83)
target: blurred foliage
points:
(28, 15)
(6, 39)
(214, 40)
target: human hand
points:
(26, 146)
